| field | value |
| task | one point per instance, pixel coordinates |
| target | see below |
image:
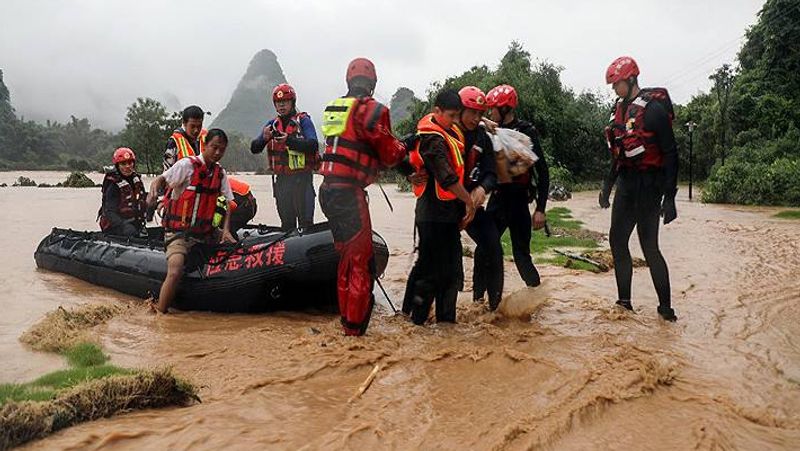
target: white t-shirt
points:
(180, 174)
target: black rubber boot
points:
(625, 304)
(667, 313)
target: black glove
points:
(605, 194)
(668, 210)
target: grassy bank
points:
(789, 214)
(88, 389)
(567, 233)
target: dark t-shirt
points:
(434, 150)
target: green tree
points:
(570, 125)
(147, 128)
(723, 83)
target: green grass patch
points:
(565, 230)
(789, 214)
(560, 260)
(567, 233)
(25, 392)
(561, 217)
(88, 390)
(71, 377)
(85, 354)
(541, 244)
(86, 361)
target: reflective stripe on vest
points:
(455, 145)
(334, 119)
(631, 145)
(185, 149)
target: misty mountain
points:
(251, 105)
(401, 104)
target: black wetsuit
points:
(509, 205)
(488, 259)
(638, 203)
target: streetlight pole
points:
(690, 125)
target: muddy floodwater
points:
(557, 368)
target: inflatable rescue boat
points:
(268, 269)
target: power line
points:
(695, 69)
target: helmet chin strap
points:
(503, 110)
(630, 83)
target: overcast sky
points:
(92, 58)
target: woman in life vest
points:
(645, 168)
(293, 156)
(193, 185)
(124, 198)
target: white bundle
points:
(518, 150)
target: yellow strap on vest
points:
(297, 160)
(184, 148)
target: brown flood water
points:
(559, 368)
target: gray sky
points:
(92, 58)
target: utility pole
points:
(691, 125)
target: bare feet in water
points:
(152, 306)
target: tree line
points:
(77, 146)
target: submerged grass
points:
(89, 389)
(61, 329)
(789, 214)
(23, 421)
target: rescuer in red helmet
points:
(293, 155)
(645, 169)
(358, 144)
(509, 203)
(124, 198)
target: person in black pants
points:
(645, 168)
(444, 207)
(480, 179)
(293, 154)
(509, 203)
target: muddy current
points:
(558, 367)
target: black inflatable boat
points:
(268, 269)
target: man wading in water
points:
(193, 183)
(645, 168)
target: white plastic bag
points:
(517, 148)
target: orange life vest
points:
(193, 211)
(455, 143)
(185, 149)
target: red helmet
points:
(123, 154)
(503, 95)
(622, 68)
(473, 98)
(283, 92)
(361, 67)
